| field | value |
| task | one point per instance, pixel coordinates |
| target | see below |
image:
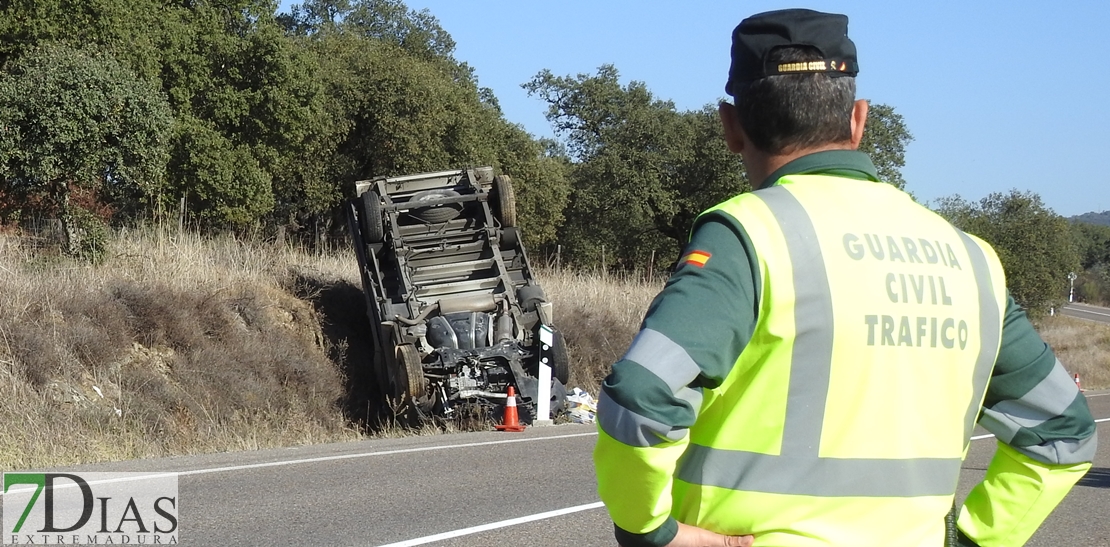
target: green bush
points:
(92, 236)
(1034, 244)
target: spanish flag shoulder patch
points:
(697, 258)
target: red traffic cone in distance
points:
(511, 420)
(1077, 384)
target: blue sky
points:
(998, 94)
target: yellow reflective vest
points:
(846, 418)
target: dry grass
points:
(599, 317)
(1083, 347)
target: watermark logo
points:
(90, 509)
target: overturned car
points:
(456, 314)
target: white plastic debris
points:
(582, 407)
(98, 392)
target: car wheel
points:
(559, 358)
(505, 207)
(411, 374)
(437, 213)
(373, 231)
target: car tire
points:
(505, 206)
(411, 383)
(436, 214)
(373, 231)
(560, 358)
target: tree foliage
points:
(400, 104)
(885, 137)
(1092, 242)
(391, 22)
(247, 104)
(244, 99)
(1034, 244)
(76, 119)
(642, 171)
(274, 116)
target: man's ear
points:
(734, 134)
(859, 119)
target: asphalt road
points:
(1090, 313)
(406, 491)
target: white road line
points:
(1087, 319)
(495, 525)
(381, 453)
(1084, 310)
(281, 463)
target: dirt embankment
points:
(174, 345)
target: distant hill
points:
(1102, 219)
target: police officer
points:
(812, 371)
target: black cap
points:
(758, 35)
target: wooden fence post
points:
(181, 216)
(604, 274)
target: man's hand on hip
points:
(692, 536)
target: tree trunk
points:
(71, 238)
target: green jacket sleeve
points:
(1046, 439)
(689, 340)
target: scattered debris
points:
(581, 406)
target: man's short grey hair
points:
(790, 112)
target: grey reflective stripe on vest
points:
(799, 470)
(633, 429)
(1047, 400)
(813, 476)
(990, 331)
(659, 354)
(669, 362)
(811, 361)
(1050, 398)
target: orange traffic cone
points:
(1077, 384)
(511, 422)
